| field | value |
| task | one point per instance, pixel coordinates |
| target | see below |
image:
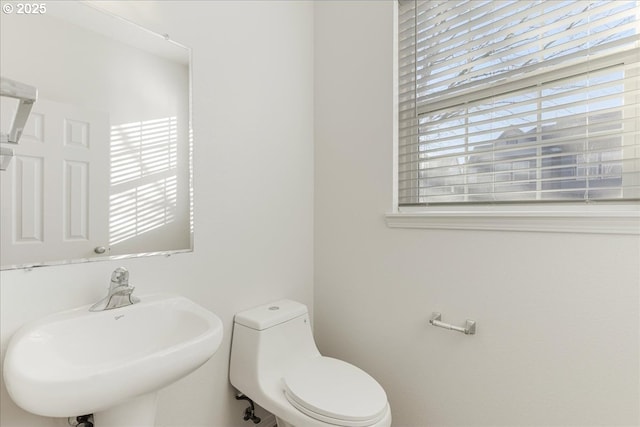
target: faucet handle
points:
(120, 275)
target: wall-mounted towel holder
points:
(26, 96)
(468, 329)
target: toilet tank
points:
(266, 341)
(269, 315)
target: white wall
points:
(558, 314)
(253, 129)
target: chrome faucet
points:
(120, 292)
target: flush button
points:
(274, 308)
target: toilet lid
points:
(335, 391)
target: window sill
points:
(619, 219)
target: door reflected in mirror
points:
(102, 168)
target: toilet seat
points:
(335, 392)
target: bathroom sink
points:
(80, 362)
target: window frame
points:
(617, 218)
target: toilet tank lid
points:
(272, 314)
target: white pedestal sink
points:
(110, 363)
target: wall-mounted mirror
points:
(103, 165)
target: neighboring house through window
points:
(518, 101)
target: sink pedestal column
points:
(137, 412)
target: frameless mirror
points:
(102, 167)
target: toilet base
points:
(283, 423)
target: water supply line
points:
(81, 421)
(249, 413)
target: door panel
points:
(63, 150)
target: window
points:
(518, 101)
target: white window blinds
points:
(513, 101)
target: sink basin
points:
(80, 362)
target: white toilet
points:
(275, 362)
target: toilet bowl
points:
(275, 362)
